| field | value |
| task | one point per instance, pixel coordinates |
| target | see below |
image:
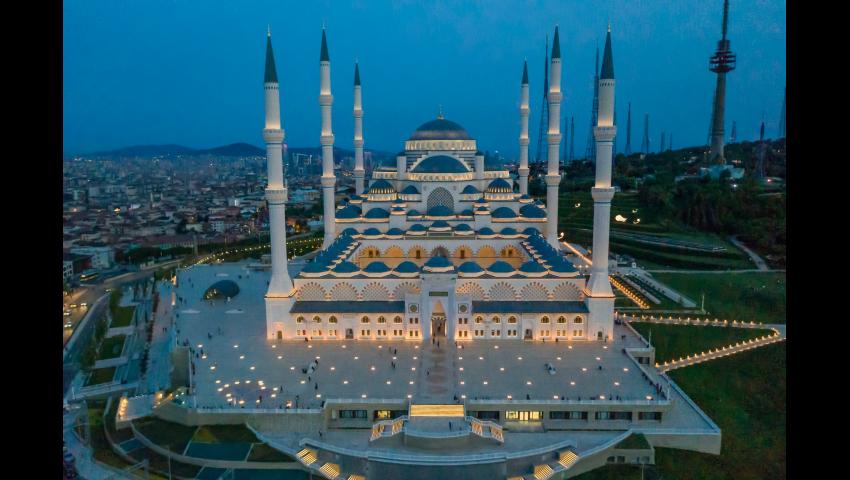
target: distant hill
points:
(232, 150)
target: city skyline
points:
(179, 97)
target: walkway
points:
(753, 255)
(158, 373)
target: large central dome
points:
(440, 129)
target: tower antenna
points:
(644, 144)
(721, 63)
(628, 150)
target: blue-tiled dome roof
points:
(349, 231)
(395, 231)
(371, 231)
(440, 129)
(532, 211)
(503, 212)
(486, 231)
(438, 262)
(530, 231)
(413, 213)
(346, 267)
(410, 190)
(348, 212)
(470, 267)
(462, 227)
(499, 185)
(417, 227)
(381, 186)
(440, 224)
(501, 266)
(406, 267)
(440, 211)
(480, 200)
(377, 213)
(440, 164)
(508, 231)
(466, 213)
(532, 267)
(470, 190)
(398, 201)
(398, 209)
(315, 267)
(524, 197)
(562, 266)
(377, 267)
(357, 197)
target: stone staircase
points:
(544, 471)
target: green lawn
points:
(224, 434)
(122, 316)
(172, 436)
(634, 441)
(101, 375)
(675, 341)
(111, 347)
(756, 296)
(264, 453)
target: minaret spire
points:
(327, 142)
(553, 139)
(280, 284)
(598, 293)
(523, 132)
(359, 171)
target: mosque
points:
(440, 246)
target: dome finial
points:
(440, 114)
(270, 30)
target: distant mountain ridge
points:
(232, 150)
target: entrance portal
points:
(438, 320)
(349, 334)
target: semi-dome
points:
(462, 227)
(406, 267)
(222, 289)
(371, 232)
(417, 227)
(438, 264)
(440, 129)
(346, 267)
(440, 224)
(499, 185)
(532, 211)
(466, 213)
(377, 267)
(470, 190)
(500, 266)
(410, 190)
(486, 231)
(414, 213)
(470, 267)
(531, 231)
(440, 164)
(440, 211)
(348, 212)
(349, 231)
(503, 212)
(508, 231)
(377, 213)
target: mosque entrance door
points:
(438, 321)
(349, 334)
(528, 334)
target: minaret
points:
(722, 62)
(598, 290)
(553, 175)
(359, 171)
(523, 132)
(327, 141)
(280, 284)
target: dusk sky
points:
(191, 72)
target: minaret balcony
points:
(273, 135)
(605, 133)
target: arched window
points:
(497, 320)
(462, 254)
(418, 254)
(562, 319)
(479, 319)
(332, 319)
(440, 197)
(578, 320)
(397, 320)
(364, 320)
(382, 320)
(544, 320)
(511, 319)
(317, 319)
(299, 320)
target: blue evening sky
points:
(190, 72)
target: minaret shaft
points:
(523, 134)
(553, 175)
(327, 142)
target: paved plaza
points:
(236, 365)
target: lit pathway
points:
(777, 336)
(753, 255)
(157, 376)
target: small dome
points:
(438, 262)
(440, 211)
(440, 224)
(381, 186)
(532, 211)
(417, 227)
(348, 212)
(482, 210)
(398, 201)
(504, 212)
(377, 267)
(524, 197)
(414, 213)
(346, 267)
(462, 227)
(398, 209)
(395, 231)
(466, 213)
(531, 231)
(377, 213)
(500, 266)
(349, 231)
(440, 164)
(470, 190)
(499, 185)
(532, 267)
(508, 231)
(562, 266)
(410, 190)
(407, 267)
(486, 231)
(470, 267)
(440, 129)
(481, 201)
(222, 289)
(315, 267)
(371, 232)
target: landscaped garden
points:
(101, 375)
(169, 435)
(122, 316)
(675, 341)
(111, 347)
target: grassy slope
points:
(674, 341)
(759, 297)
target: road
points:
(753, 255)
